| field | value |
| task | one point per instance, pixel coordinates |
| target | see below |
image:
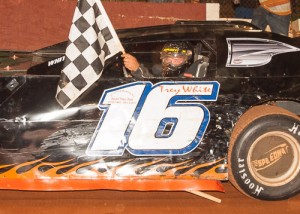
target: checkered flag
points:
(92, 40)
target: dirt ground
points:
(33, 24)
(115, 202)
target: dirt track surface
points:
(115, 202)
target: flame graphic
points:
(103, 168)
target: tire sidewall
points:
(240, 153)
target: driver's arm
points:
(136, 69)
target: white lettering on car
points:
(56, 61)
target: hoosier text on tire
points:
(264, 153)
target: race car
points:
(233, 116)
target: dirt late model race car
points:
(235, 117)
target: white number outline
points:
(175, 101)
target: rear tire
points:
(264, 153)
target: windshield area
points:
(150, 56)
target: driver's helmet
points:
(175, 57)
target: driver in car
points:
(175, 57)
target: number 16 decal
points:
(167, 118)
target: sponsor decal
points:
(167, 118)
(271, 157)
(256, 189)
(254, 52)
(56, 61)
(295, 129)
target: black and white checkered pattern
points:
(92, 40)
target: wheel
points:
(264, 153)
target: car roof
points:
(184, 27)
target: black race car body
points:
(243, 82)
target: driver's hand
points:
(130, 62)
